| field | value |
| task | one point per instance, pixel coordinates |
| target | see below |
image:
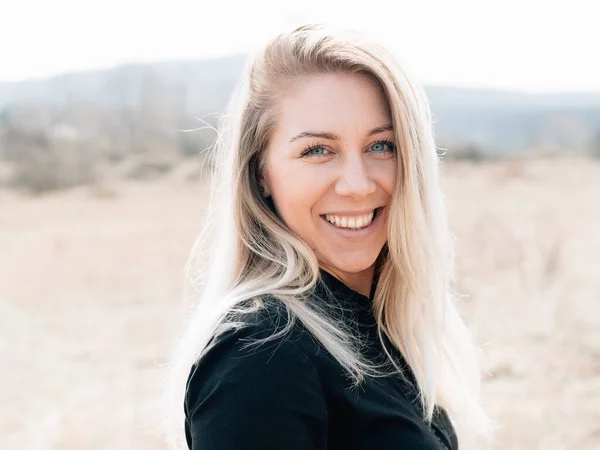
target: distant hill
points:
(206, 84)
(496, 120)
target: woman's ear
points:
(264, 188)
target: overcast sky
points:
(530, 45)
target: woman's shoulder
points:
(255, 341)
(265, 319)
(245, 383)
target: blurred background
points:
(105, 110)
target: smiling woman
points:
(324, 183)
(324, 266)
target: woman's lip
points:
(352, 213)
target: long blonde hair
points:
(245, 251)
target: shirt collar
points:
(347, 297)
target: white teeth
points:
(355, 222)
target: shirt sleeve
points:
(261, 397)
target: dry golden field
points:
(91, 285)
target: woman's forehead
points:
(338, 104)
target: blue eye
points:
(380, 146)
(315, 150)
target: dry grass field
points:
(90, 302)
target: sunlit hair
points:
(246, 252)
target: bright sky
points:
(532, 45)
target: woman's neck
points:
(360, 282)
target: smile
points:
(356, 222)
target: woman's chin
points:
(350, 265)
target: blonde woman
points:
(325, 319)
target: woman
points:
(326, 320)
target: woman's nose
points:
(355, 180)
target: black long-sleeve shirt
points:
(291, 394)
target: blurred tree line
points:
(46, 147)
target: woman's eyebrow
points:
(335, 137)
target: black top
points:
(292, 394)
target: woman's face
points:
(331, 163)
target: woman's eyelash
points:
(388, 143)
(310, 148)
